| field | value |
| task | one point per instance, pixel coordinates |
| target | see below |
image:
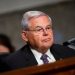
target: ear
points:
(24, 36)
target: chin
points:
(47, 45)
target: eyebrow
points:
(40, 26)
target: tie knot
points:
(44, 58)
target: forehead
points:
(40, 21)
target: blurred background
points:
(62, 13)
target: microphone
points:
(70, 43)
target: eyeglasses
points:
(40, 29)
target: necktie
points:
(44, 58)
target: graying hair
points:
(30, 14)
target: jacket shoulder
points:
(63, 50)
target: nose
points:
(45, 32)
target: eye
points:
(38, 29)
(49, 27)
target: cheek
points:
(51, 34)
(52, 37)
(34, 39)
(38, 38)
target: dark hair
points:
(5, 40)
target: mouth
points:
(46, 40)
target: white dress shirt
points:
(38, 56)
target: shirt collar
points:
(38, 54)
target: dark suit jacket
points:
(25, 58)
(2, 64)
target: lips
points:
(46, 40)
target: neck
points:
(43, 50)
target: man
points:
(6, 48)
(37, 33)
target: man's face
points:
(40, 34)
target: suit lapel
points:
(30, 58)
(55, 53)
